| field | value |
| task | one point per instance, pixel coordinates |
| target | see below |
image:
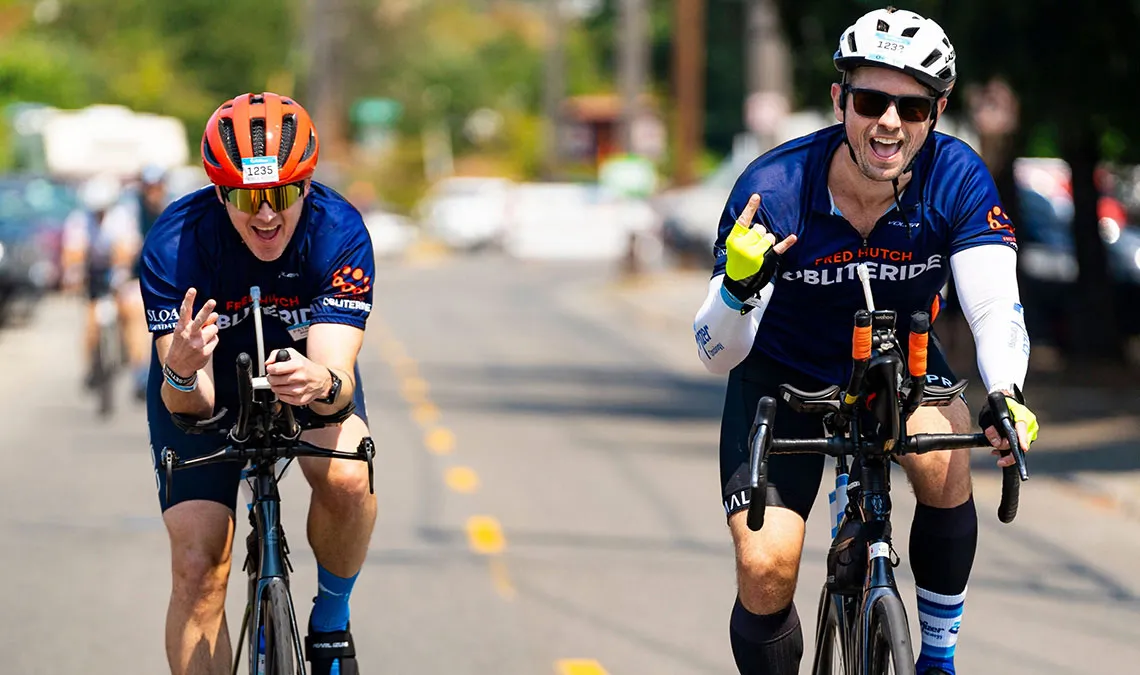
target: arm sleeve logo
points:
(351, 280)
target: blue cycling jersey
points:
(324, 276)
(951, 204)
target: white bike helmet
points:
(100, 193)
(902, 40)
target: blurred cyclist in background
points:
(151, 199)
(100, 245)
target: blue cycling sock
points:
(330, 611)
(939, 617)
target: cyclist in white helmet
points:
(100, 242)
(882, 188)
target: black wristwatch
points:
(334, 390)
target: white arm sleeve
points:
(724, 335)
(986, 280)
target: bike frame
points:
(272, 562)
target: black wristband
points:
(179, 379)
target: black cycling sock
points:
(942, 546)
(766, 644)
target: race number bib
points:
(258, 170)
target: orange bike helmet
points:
(259, 125)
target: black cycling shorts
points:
(212, 482)
(793, 480)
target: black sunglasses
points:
(873, 103)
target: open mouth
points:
(885, 148)
(266, 233)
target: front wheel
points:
(830, 648)
(277, 617)
(889, 647)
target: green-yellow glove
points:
(752, 257)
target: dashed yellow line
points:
(485, 535)
(579, 667)
(439, 441)
(462, 479)
(425, 414)
(414, 390)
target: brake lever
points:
(368, 448)
(168, 460)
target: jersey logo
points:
(998, 219)
(350, 280)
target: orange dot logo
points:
(351, 281)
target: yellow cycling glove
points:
(751, 264)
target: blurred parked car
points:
(466, 212)
(1047, 267)
(578, 221)
(32, 211)
(689, 215)
(391, 232)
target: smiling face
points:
(267, 232)
(883, 145)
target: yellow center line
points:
(425, 414)
(414, 390)
(462, 479)
(579, 667)
(439, 441)
(485, 535)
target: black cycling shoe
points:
(321, 649)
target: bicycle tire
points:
(889, 645)
(280, 649)
(829, 644)
(103, 376)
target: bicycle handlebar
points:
(265, 431)
(365, 451)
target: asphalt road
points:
(547, 480)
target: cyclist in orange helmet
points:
(264, 222)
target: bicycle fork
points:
(267, 562)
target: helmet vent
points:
(288, 131)
(851, 42)
(208, 153)
(934, 56)
(945, 73)
(909, 32)
(946, 41)
(257, 132)
(883, 26)
(310, 148)
(226, 130)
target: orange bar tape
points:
(861, 343)
(916, 359)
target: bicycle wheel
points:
(888, 644)
(830, 648)
(103, 375)
(279, 645)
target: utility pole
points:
(633, 55)
(689, 86)
(554, 90)
(326, 34)
(768, 68)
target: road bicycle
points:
(265, 435)
(862, 627)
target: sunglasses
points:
(249, 200)
(873, 103)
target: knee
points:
(344, 484)
(766, 580)
(200, 574)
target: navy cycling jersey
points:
(951, 204)
(324, 276)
